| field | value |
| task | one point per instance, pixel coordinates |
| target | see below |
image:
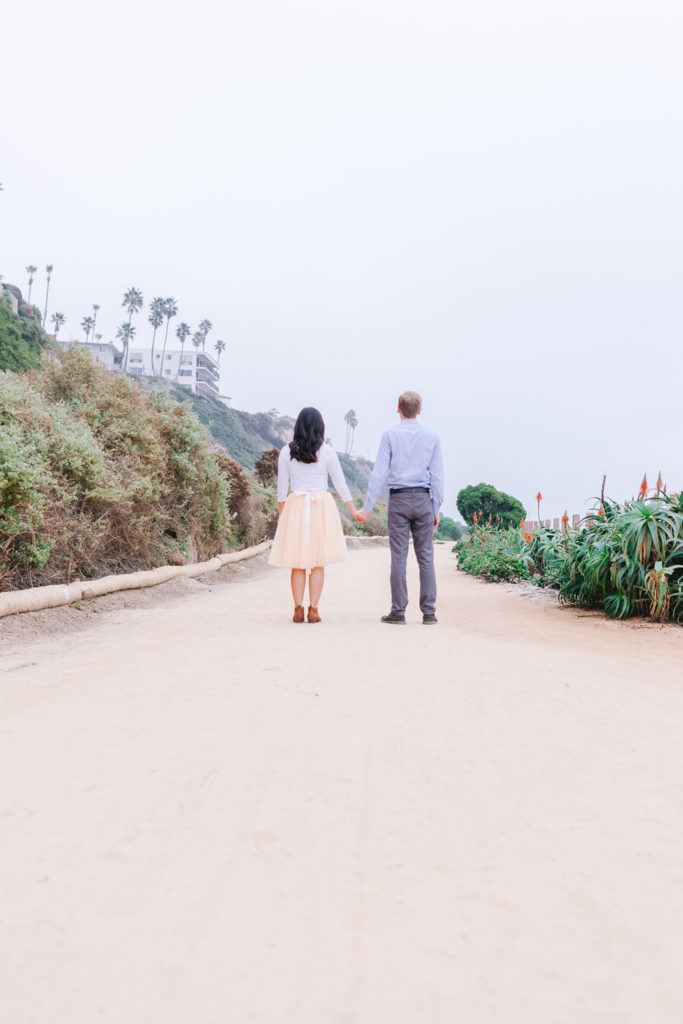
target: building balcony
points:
(207, 376)
(207, 388)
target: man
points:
(409, 461)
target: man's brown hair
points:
(410, 404)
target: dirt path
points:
(210, 815)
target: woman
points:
(309, 533)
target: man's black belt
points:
(408, 490)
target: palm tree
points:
(57, 322)
(351, 423)
(170, 310)
(49, 268)
(96, 310)
(181, 332)
(204, 327)
(219, 347)
(132, 301)
(30, 270)
(156, 319)
(197, 339)
(125, 333)
(88, 324)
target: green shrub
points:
(448, 529)
(96, 476)
(484, 503)
(625, 560)
(21, 341)
(494, 554)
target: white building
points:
(105, 354)
(191, 368)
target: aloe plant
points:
(625, 559)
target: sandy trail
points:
(211, 815)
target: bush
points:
(448, 529)
(252, 506)
(21, 341)
(98, 477)
(625, 560)
(494, 554)
(484, 503)
(265, 466)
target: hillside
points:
(245, 435)
(241, 435)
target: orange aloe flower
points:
(527, 537)
(643, 489)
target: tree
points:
(197, 339)
(125, 333)
(490, 505)
(204, 327)
(351, 421)
(220, 348)
(96, 310)
(170, 310)
(49, 268)
(88, 324)
(182, 332)
(132, 302)
(30, 270)
(448, 529)
(57, 322)
(156, 319)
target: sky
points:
(480, 202)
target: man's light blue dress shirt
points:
(408, 456)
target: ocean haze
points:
(481, 203)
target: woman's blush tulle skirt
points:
(309, 532)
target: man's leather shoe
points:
(429, 620)
(396, 617)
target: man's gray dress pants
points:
(412, 513)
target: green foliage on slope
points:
(21, 341)
(245, 435)
(96, 476)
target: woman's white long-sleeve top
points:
(310, 476)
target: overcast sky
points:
(478, 201)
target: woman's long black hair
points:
(309, 434)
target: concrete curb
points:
(38, 598)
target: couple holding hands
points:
(309, 534)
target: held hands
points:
(358, 516)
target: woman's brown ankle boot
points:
(298, 613)
(313, 614)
